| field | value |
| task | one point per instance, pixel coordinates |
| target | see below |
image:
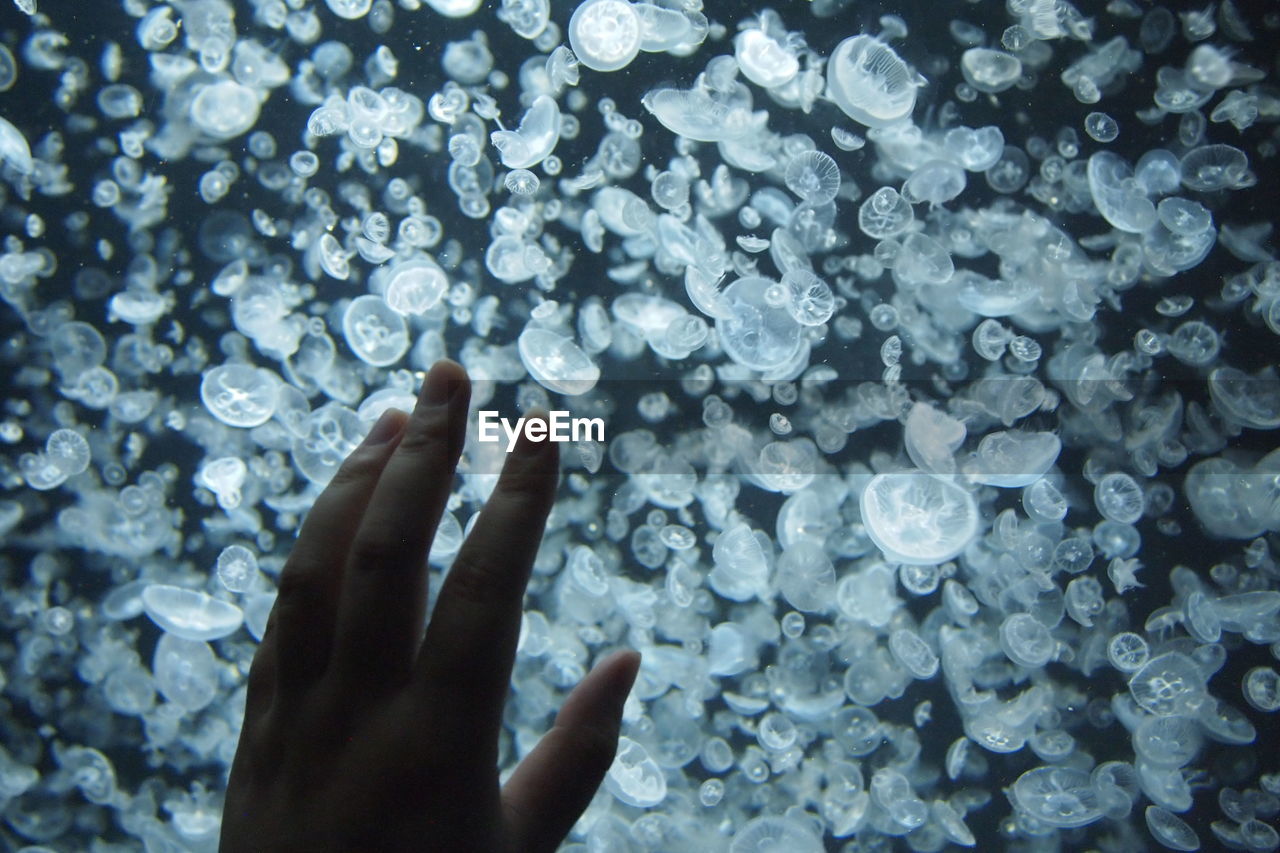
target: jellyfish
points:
(870, 82)
(536, 137)
(917, 518)
(605, 34)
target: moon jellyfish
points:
(1215, 167)
(1101, 127)
(936, 181)
(556, 362)
(539, 131)
(759, 332)
(1010, 172)
(240, 395)
(349, 9)
(14, 148)
(696, 115)
(916, 518)
(1170, 830)
(186, 672)
(634, 777)
(1013, 459)
(414, 286)
(870, 82)
(975, 150)
(931, 438)
(190, 614)
(775, 835)
(884, 214)
(1119, 498)
(1058, 796)
(331, 432)
(605, 34)
(8, 69)
(68, 451)
(225, 109)
(521, 182)
(990, 71)
(1117, 195)
(813, 176)
(809, 298)
(763, 60)
(376, 333)
(1251, 401)
(1026, 641)
(923, 260)
(1170, 683)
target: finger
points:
(467, 654)
(384, 592)
(261, 681)
(306, 607)
(555, 782)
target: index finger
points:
(470, 644)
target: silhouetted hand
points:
(360, 735)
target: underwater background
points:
(935, 346)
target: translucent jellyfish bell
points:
(349, 9)
(775, 834)
(240, 395)
(757, 334)
(190, 614)
(376, 333)
(331, 433)
(414, 286)
(1118, 196)
(1057, 796)
(14, 148)
(870, 82)
(936, 182)
(763, 60)
(917, 518)
(536, 137)
(884, 214)
(226, 109)
(989, 70)
(813, 176)
(605, 34)
(634, 777)
(556, 362)
(454, 8)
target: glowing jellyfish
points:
(521, 182)
(763, 60)
(454, 8)
(917, 518)
(186, 672)
(349, 9)
(376, 333)
(884, 214)
(809, 298)
(1118, 196)
(605, 34)
(775, 834)
(989, 70)
(240, 395)
(634, 777)
(936, 181)
(68, 451)
(813, 176)
(414, 286)
(759, 333)
(870, 82)
(1058, 796)
(332, 432)
(225, 109)
(536, 137)
(556, 362)
(190, 614)
(14, 148)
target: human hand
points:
(360, 735)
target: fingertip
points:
(446, 382)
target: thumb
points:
(554, 783)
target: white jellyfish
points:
(605, 34)
(870, 82)
(918, 518)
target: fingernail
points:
(385, 428)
